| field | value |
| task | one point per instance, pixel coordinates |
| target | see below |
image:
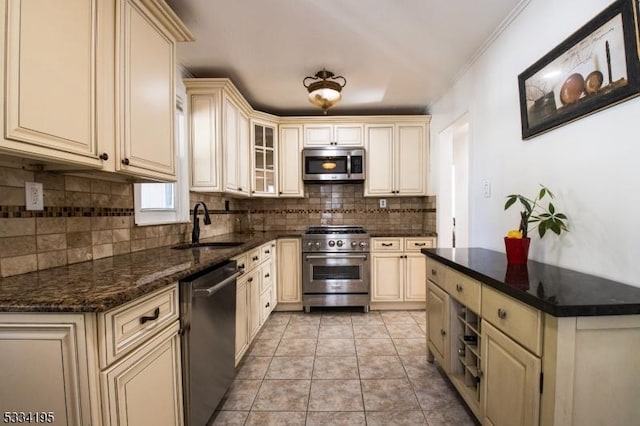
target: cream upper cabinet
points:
(396, 159)
(91, 84)
(264, 154)
(290, 161)
(236, 145)
(320, 134)
(205, 150)
(289, 284)
(52, 79)
(145, 93)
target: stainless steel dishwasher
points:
(208, 317)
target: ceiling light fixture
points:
(324, 89)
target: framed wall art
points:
(595, 68)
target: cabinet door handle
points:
(502, 314)
(155, 316)
(267, 276)
(459, 288)
(267, 305)
(104, 156)
(387, 244)
(443, 333)
(125, 161)
(267, 252)
(255, 258)
(419, 244)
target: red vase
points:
(517, 250)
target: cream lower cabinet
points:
(438, 325)
(398, 270)
(289, 279)
(48, 365)
(119, 57)
(255, 295)
(119, 367)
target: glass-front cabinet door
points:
(264, 158)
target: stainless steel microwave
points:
(333, 164)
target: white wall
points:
(591, 164)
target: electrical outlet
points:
(383, 203)
(486, 188)
(34, 199)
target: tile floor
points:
(341, 368)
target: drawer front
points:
(242, 261)
(415, 244)
(255, 257)
(266, 271)
(520, 322)
(436, 272)
(386, 244)
(124, 328)
(267, 250)
(464, 289)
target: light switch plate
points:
(34, 199)
(486, 188)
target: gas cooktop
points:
(343, 229)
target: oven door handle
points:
(346, 256)
(348, 164)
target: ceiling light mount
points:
(324, 89)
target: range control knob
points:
(354, 244)
(317, 244)
(332, 243)
(339, 243)
(309, 244)
(363, 244)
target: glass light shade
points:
(324, 97)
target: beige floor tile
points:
(282, 395)
(396, 418)
(241, 395)
(343, 418)
(388, 395)
(336, 367)
(297, 331)
(336, 332)
(364, 319)
(267, 418)
(405, 331)
(336, 319)
(296, 347)
(230, 418)
(453, 416)
(370, 331)
(253, 367)
(381, 367)
(335, 395)
(264, 347)
(397, 317)
(415, 346)
(366, 347)
(335, 347)
(290, 367)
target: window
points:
(160, 203)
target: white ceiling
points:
(398, 56)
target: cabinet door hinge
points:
(541, 381)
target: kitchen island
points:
(533, 344)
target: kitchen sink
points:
(211, 245)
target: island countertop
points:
(100, 285)
(557, 291)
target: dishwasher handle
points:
(206, 292)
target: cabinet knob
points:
(502, 314)
(443, 333)
(267, 276)
(459, 288)
(250, 279)
(104, 156)
(434, 272)
(267, 305)
(125, 161)
(239, 189)
(255, 258)
(280, 192)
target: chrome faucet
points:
(195, 234)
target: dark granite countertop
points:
(374, 234)
(103, 284)
(557, 291)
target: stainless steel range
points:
(335, 267)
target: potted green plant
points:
(534, 215)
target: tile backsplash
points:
(87, 218)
